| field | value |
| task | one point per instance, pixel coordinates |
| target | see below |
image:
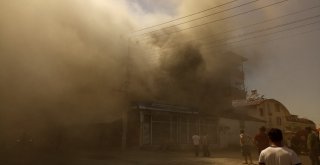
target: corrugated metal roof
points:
(240, 116)
(294, 118)
(166, 108)
(243, 103)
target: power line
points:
(289, 29)
(254, 24)
(278, 38)
(309, 31)
(271, 33)
(186, 16)
(225, 18)
(247, 3)
(270, 28)
(261, 30)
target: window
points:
(269, 109)
(270, 122)
(261, 111)
(278, 120)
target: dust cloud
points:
(62, 63)
(188, 73)
(70, 63)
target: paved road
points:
(133, 157)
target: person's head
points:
(275, 135)
(308, 129)
(262, 129)
(241, 131)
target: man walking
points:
(261, 140)
(245, 141)
(313, 146)
(277, 153)
(205, 146)
(196, 143)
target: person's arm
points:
(261, 159)
(241, 140)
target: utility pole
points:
(126, 98)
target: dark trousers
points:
(206, 151)
(196, 150)
(314, 158)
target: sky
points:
(283, 66)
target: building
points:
(164, 126)
(231, 123)
(273, 112)
(236, 75)
(295, 124)
(202, 107)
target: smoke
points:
(62, 62)
(70, 62)
(189, 74)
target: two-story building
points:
(273, 112)
(173, 120)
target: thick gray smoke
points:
(70, 63)
(61, 63)
(189, 74)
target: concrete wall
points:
(229, 130)
(252, 127)
(272, 111)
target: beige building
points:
(294, 123)
(230, 125)
(273, 112)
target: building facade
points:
(274, 113)
(230, 125)
(164, 126)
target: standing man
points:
(245, 141)
(196, 143)
(313, 146)
(205, 146)
(277, 153)
(261, 140)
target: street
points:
(134, 157)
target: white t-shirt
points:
(196, 139)
(278, 156)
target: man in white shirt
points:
(276, 153)
(196, 143)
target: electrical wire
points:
(186, 16)
(254, 24)
(272, 33)
(213, 21)
(309, 31)
(270, 28)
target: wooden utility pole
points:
(126, 98)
